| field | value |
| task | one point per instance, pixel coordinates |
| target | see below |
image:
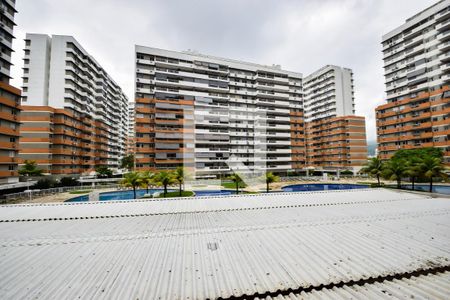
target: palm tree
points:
(374, 167)
(179, 176)
(270, 178)
(132, 179)
(237, 180)
(164, 178)
(413, 169)
(147, 178)
(432, 167)
(395, 170)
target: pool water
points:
(440, 189)
(119, 195)
(322, 187)
(214, 193)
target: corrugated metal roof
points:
(433, 286)
(219, 246)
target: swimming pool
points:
(322, 187)
(128, 195)
(119, 195)
(440, 189)
(214, 193)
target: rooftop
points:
(279, 245)
(234, 63)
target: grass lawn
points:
(77, 192)
(232, 185)
(177, 194)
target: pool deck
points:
(274, 187)
(55, 198)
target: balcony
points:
(445, 56)
(145, 62)
(445, 67)
(446, 77)
(144, 80)
(444, 35)
(444, 25)
(443, 14)
(145, 71)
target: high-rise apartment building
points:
(9, 98)
(416, 59)
(208, 113)
(335, 137)
(329, 93)
(75, 117)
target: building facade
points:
(210, 113)
(335, 137)
(9, 99)
(329, 93)
(75, 117)
(416, 59)
(131, 133)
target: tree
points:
(147, 178)
(237, 180)
(179, 177)
(413, 169)
(103, 172)
(374, 167)
(127, 162)
(30, 169)
(431, 167)
(132, 179)
(164, 178)
(407, 154)
(395, 170)
(270, 178)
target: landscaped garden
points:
(425, 165)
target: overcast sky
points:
(302, 36)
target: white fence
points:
(41, 193)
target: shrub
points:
(68, 181)
(45, 183)
(347, 172)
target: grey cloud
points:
(300, 35)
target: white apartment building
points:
(335, 138)
(416, 59)
(416, 54)
(60, 74)
(328, 92)
(202, 111)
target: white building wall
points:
(35, 91)
(345, 104)
(329, 93)
(57, 72)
